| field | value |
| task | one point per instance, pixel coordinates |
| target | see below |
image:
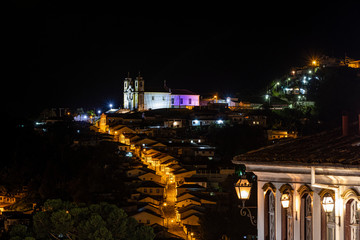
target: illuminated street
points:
(169, 212)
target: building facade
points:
(308, 188)
(136, 98)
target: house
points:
(196, 180)
(118, 132)
(188, 210)
(175, 123)
(188, 201)
(192, 219)
(151, 188)
(152, 207)
(148, 217)
(135, 172)
(155, 200)
(278, 134)
(214, 175)
(203, 198)
(12, 218)
(123, 147)
(181, 173)
(309, 187)
(150, 176)
(188, 187)
(6, 199)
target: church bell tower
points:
(134, 93)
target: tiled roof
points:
(326, 148)
(182, 92)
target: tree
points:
(20, 232)
(66, 220)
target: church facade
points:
(136, 98)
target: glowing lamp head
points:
(285, 200)
(328, 203)
(243, 188)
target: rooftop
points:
(182, 92)
(327, 148)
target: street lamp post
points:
(243, 189)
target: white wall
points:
(156, 100)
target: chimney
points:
(345, 125)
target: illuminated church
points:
(136, 98)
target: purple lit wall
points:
(181, 101)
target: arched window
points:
(351, 226)
(352, 214)
(269, 215)
(327, 219)
(287, 220)
(305, 212)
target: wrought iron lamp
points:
(243, 189)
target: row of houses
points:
(161, 178)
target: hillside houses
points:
(166, 189)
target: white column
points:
(296, 212)
(260, 212)
(316, 217)
(339, 214)
(278, 214)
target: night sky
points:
(79, 60)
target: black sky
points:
(80, 60)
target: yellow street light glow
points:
(243, 188)
(285, 200)
(328, 204)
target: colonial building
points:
(309, 187)
(136, 98)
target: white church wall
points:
(156, 100)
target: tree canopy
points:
(67, 220)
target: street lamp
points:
(328, 203)
(243, 189)
(285, 200)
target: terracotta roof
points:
(326, 148)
